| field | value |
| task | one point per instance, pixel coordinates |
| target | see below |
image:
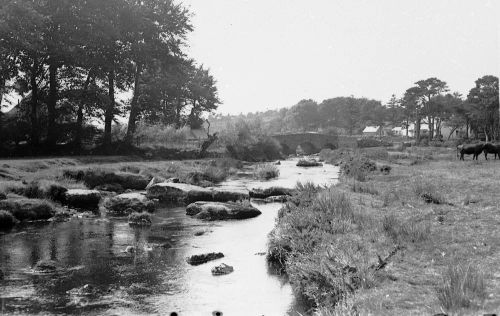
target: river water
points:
(96, 275)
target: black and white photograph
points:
(249, 157)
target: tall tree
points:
(483, 99)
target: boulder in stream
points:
(272, 191)
(203, 258)
(188, 193)
(222, 269)
(126, 203)
(83, 199)
(309, 163)
(213, 211)
(24, 209)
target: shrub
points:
(357, 167)
(266, 171)
(7, 220)
(462, 286)
(139, 219)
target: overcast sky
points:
(267, 54)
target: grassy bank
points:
(421, 238)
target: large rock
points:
(24, 209)
(203, 258)
(272, 191)
(175, 192)
(212, 211)
(224, 195)
(83, 199)
(97, 177)
(309, 163)
(222, 269)
(126, 203)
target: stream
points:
(96, 275)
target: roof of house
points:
(371, 129)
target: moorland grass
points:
(411, 240)
(266, 171)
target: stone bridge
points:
(309, 143)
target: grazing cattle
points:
(470, 149)
(490, 148)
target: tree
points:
(483, 99)
(430, 88)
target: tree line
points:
(70, 60)
(427, 102)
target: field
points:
(419, 239)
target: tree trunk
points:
(34, 135)
(134, 110)
(2, 88)
(467, 129)
(51, 105)
(108, 115)
(79, 117)
(178, 114)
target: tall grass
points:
(412, 231)
(462, 286)
(266, 171)
(314, 242)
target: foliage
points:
(462, 286)
(266, 171)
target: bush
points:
(266, 171)
(357, 167)
(7, 220)
(462, 286)
(139, 219)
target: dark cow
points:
(470, 149)
(490, 148)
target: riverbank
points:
(419, 237)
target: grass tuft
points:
(462, 286)
(266, 171)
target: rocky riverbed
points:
(95, 261)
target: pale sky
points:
(267, 54)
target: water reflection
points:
(154, 278)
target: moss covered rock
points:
(125, 203)
(24, 209)
(83, 199)
(212, 211)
